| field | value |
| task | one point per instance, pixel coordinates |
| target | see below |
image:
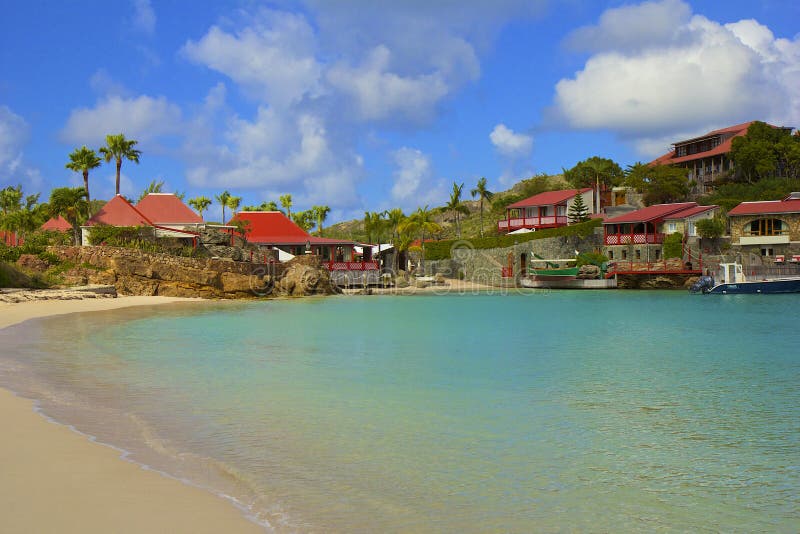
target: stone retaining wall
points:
(486, 265)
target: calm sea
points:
(553, 411)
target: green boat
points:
(567, 273)
(552, 270)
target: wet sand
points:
(53, 479)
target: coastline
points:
(59, 480)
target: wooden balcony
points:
(535, 223)
(634, 239)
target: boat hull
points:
(566, 273)
(765, 287)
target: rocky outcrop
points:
(304, 275)
(654, 281)
(588, 272)
(13, 296)
(134, 272)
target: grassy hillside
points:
(470, 224)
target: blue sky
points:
(374, 104)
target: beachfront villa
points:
(274, 230)
(174, 218)
(706, 158)
(770, 229)
(545, 210)
(639, 235)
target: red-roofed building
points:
(545, 210)
(56, 224)
(641, 227)
(166, 209)
(706, 157)
(119, 212)
(638, 236)
(274, 230)
(767, 228)
(685, 221)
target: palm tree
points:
(455, 206)
(83, 160)
(286, 202)
(70, 203)
(233, 203)
(421, 221)
(119, 148)
(154, 187)
(320, 213)
(200, 203)
(394, 218)
(10, 204)
(373, 225)
(483, 194)
(223, 199)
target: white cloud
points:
(630, 27)
(379, 94)
(13, 136)
(143, 118)
(293, 153)
(272, 58)
(14, 133)
(510, 143)
(144, 18)
(414, 183)
(692, 74)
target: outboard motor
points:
(704, 284)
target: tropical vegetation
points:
(119, 148)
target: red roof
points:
(119, 212)
(56, 224)
(723, 148)
(548, 198)
(650, 213)
(690, 212)
(275, 228)
(166, 208)
(768, 206)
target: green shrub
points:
(49, 257)
(440, 250)
(711, 228)
(590, 258)
(673, 246)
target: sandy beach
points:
(53, 479)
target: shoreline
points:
(57, 479)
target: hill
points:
(471, 223)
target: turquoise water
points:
(552, 411)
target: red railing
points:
(352, 265)
(634, 239)
(531, 222)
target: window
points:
(638, 254)
(610, 254)
(767, 252)
(691, 229)
(672, 227)
(767, 227)
(624, 254)
(658, 254)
